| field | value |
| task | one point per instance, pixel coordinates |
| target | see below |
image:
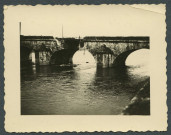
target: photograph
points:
(85, 68)
(73, 74)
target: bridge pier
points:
(40, 57)
(103, 55)
(104, 60)
(32, 57)
(44, 57)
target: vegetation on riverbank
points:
(140, 104)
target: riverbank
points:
(140, 104)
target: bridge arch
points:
(25, 53)
(83, 57)
(121, 58)
(63, 56)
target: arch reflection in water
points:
(139, 61)
(85, 68)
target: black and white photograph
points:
(68, 70)
(88, 67)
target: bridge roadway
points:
(107, 51)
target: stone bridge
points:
(113, 51)
(45, 50)
(107, 51)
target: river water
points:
(54, 90)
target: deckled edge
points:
(4, 65)
(166, 71)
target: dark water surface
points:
(56, 90)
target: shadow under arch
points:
(63, 56)
(24, 54)
(121, 59)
